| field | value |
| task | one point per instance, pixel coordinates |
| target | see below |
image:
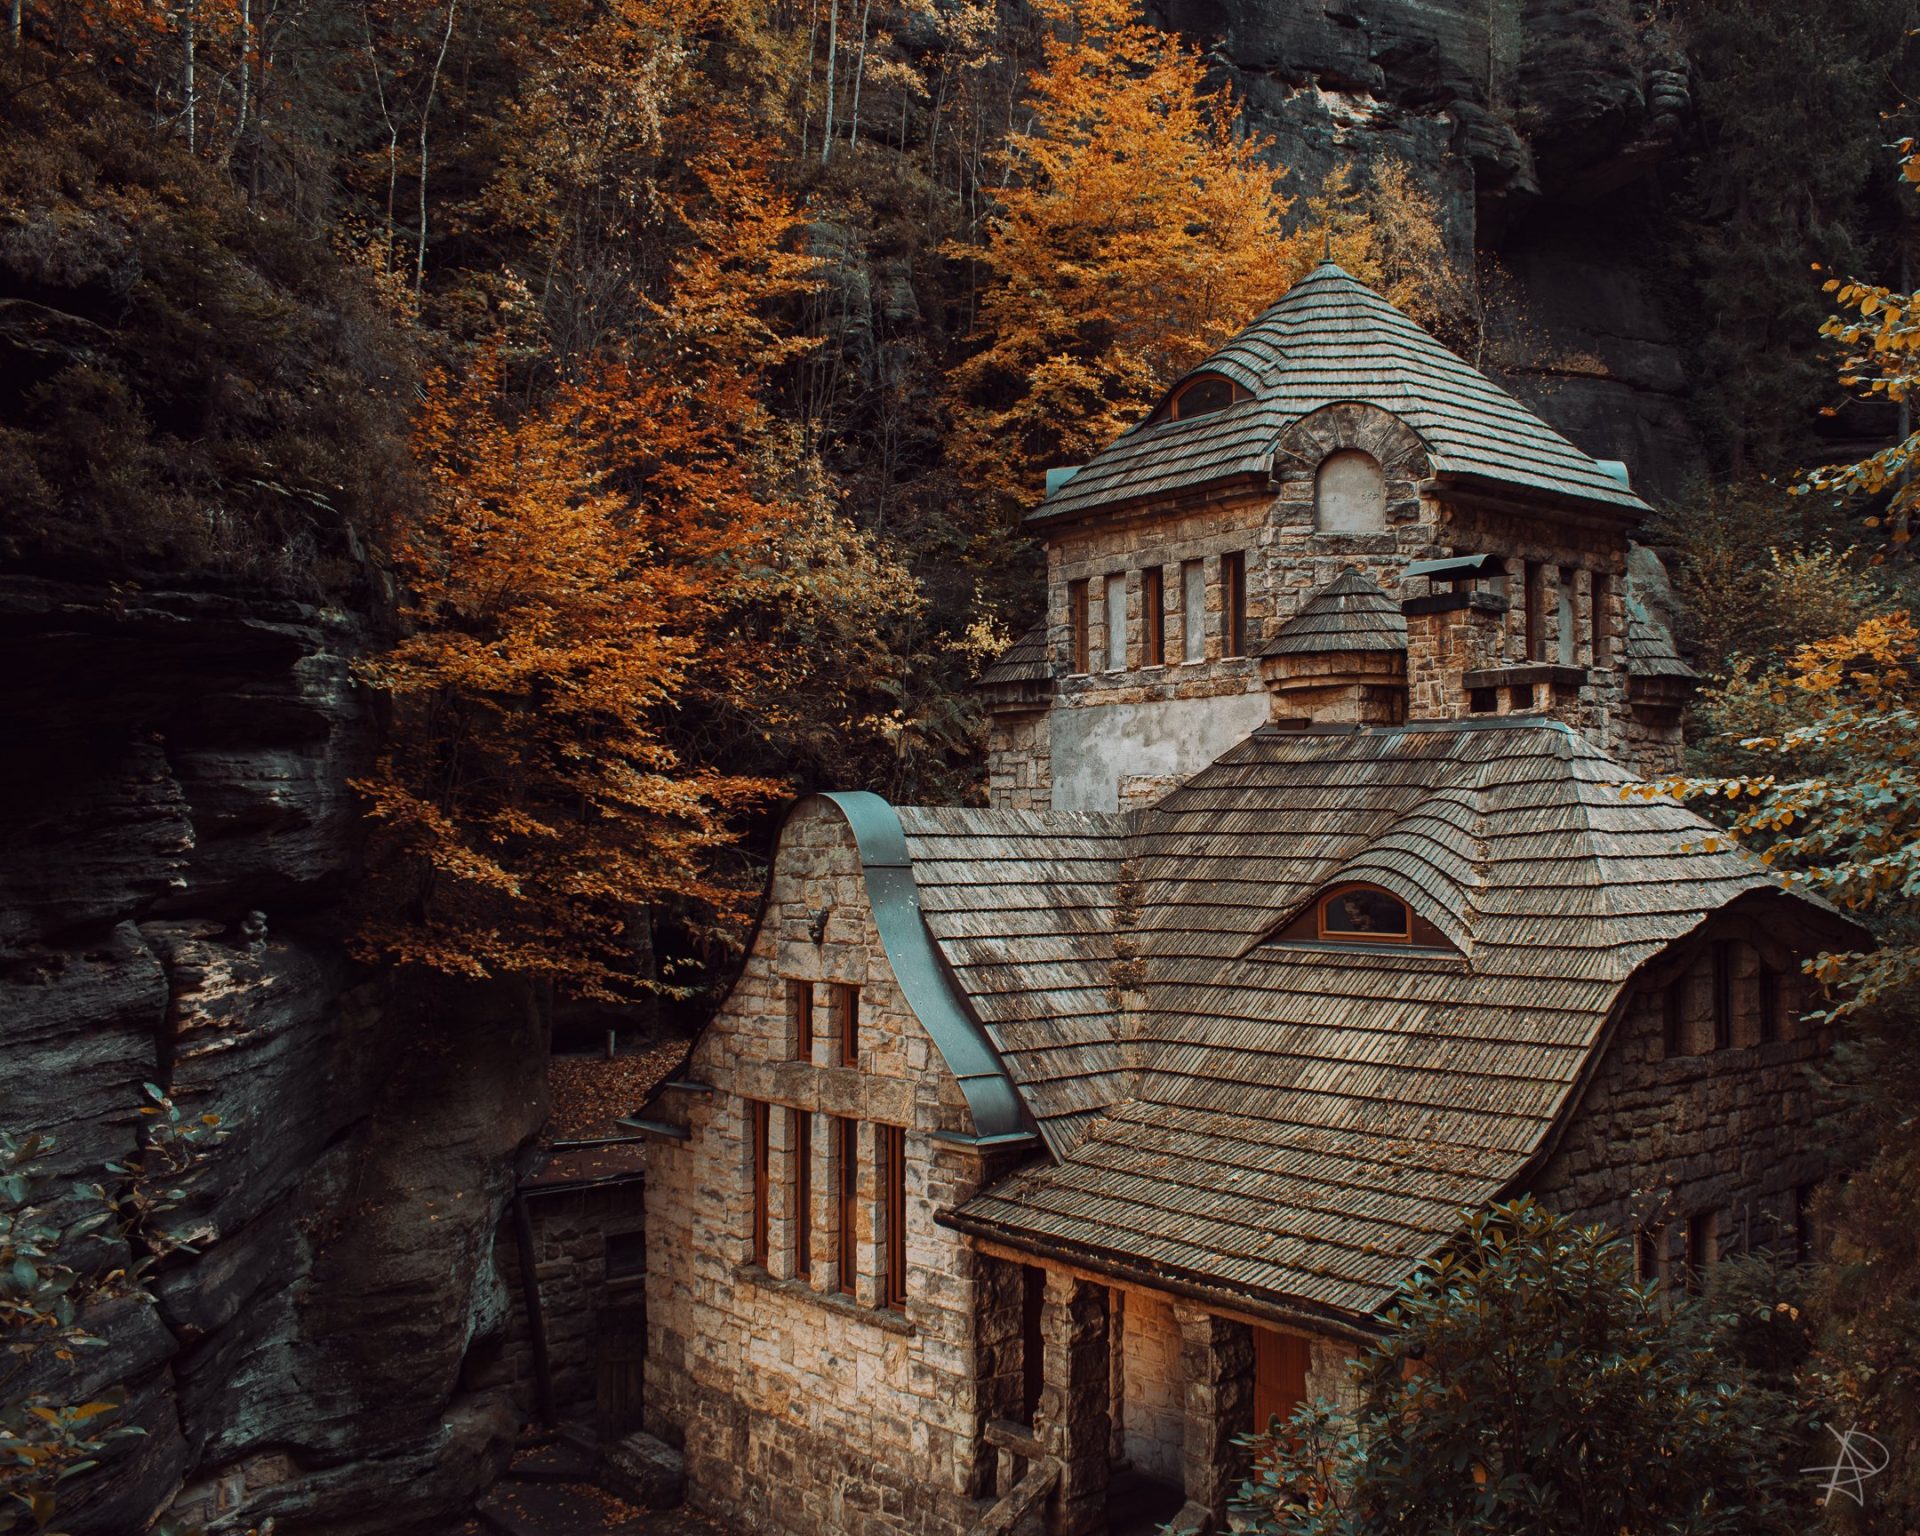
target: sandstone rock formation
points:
(180, 832)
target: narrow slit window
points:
(1536, 612)
(1722, 995)
(1566, 642)
(1772, 1005)
(757, 1133)
(1673, 1017)
(1077, 624)
(846, 1023)
(1600, 608)
(1116, 616)
(1153, 619)
(847, 1197)
(800, 1015)
(1233, 604)
(802, 1193)
(893, 1185)
(1193, 611)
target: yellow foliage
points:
(1139, 229)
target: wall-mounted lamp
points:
(817, 926)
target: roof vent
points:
(1059, 477)
(1615, 469)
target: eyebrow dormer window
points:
(1364, 913)
(1201, 395)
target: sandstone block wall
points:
(1152, 1387)
(1729, 1133)
(802, 1409)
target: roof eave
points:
(1193, 491)
(1313, 1317)
(1509, 496)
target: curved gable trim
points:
(999, 1116)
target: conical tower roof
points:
(1332, 339)
(1349, 613)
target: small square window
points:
(626, 1255)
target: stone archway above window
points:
(1324, 456)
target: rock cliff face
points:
(1539, 125)
(179, 761)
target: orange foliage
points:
(1140, 231)
(565, 589)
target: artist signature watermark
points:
(1859, 1458)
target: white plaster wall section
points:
(1097, 745)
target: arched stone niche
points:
(1330, 458)
(1349, 493)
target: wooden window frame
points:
(1153, 617)
(1233, 603)
(1079, 639)
(1343, 936)
(802, 1193)
(1534, 599)
(800, 1018)
(891, 1161)
(758, 1133)
(846, 1023)
(1600, 617)
(846, 1134)
(1235, 394)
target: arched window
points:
(1201, 395)
(1349, 494)
(1364, 913)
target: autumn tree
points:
(564, 592)
(1140, 227)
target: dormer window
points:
(1358, 912)
(1201, 395)
(1364, 913)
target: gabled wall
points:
(1731, 1132)
(801, 1409)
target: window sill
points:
(834, 1301)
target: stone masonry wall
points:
(1154, 1419)
(802, 1409)
(1730, 1134)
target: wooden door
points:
(1279, 1376)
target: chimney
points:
(1454, 630)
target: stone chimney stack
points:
(1341, 660)
(1454, 630)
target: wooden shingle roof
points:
(1021, 906)
(1303, 1123)
(1350, 613)
(1025, 661)
(1332, 339)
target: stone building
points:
(1042, 1149)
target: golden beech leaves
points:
(1841, 810)
(1139, 229)
(565, 590)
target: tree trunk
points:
(859, 75)
(246, 70)
(13, 23)
(833, 45)
(426, 110)
(186, 78)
